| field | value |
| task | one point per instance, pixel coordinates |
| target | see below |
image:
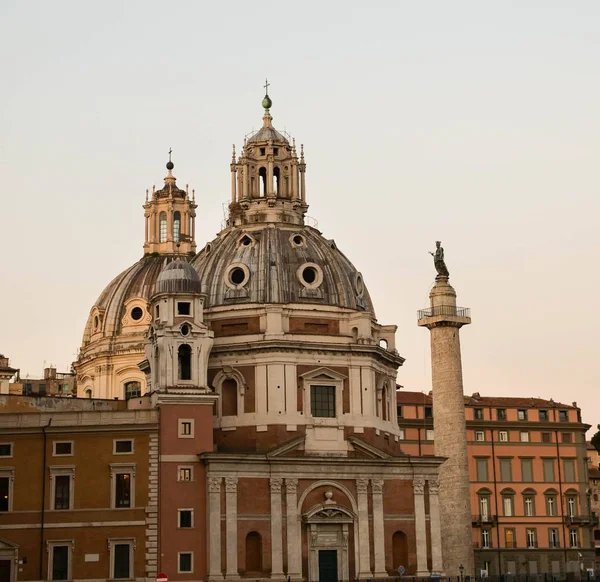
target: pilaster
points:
(378, 528)
(437, 566)
(420, 529)
(231, 572)
(214, 528)
(294, 541)
(276, 529)
(364, 553)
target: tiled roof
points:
(405, 397)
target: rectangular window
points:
(527, 470)
(63, 448)
(322, 401)
(486, 538)
(5, 449)
(122, 490)
(546, 437)
(184, 474)
(482, 469)
(123, 447)
(42, 389)
(429, 435)
(479, 435)
(4, 493)
(399, 411)
(571, 506)
(62, 492)
(508, 505)
(428, 412)
(27, 389)
(500, 413)
(121, 560)
(529, 505)
(503, 436)
(509, 538)
(531, 537)
(563, 416)
(522, 414)
(569, 470)
(553, 538)
(573, 538)
(506, 470)
(543, 415)
(548, 465)
(186, 428)
(185, 562)
(184, 308)
(551, 505)
(401, 434)
(567, 437)
(524, 436)
(478, 412)
(60, 563)
(185, 518)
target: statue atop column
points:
(438, 260)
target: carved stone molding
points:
(434, 486)
(291, 485)
(377, 485)
(419, 485)
(231, 484)
(276, 484)
(361, 485)
(214, 484)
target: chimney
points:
(49, 373)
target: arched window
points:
(276, 174)
(184, 357)
(162, 227)
(132, 389)
(88, 392)
(254, 552)
(262, 181)
(176, 226)
(400, 551)
(229, 389)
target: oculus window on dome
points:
(310, 275)
(137, 313)
(237, 276)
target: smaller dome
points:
(178, 277)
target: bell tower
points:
(268, 178)
(169, 216)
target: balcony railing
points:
(510, 545)
(482, 546)
(481, 518)
(451, 310)
(531, 544)
(583, 519)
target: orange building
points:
(594, 476)
(529, 480)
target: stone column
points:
(437, 566)
(214, 528)
(364, 554)
(378, 528)
(420, 529)
(233, 184)
(270, 189)
(276, 529)
(294, 539)
(245, 180)
(231, 527)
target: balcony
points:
(583, 519)
(450, 310)
(510, 545)
(479, 546)
(484, 519)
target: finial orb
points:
(266, 102)
(170, 165)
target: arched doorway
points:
(399, 550)
(254, 563)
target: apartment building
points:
(594, 491)
(528, 468)
(76, 497)
(53, 383)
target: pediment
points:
(329, 512)
(6, 545)
(367, 450)
(287, 448)
(323, 374)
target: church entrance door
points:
(328, 566)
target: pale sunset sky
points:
(476, 123)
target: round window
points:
(309, 274)
(137, 313)
(237, 276)
(185, 329)
(246, 241)
(360, 284)
(298, 240)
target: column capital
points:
(434, 486)
(276, 484)
(419, 485)
(361, 485)
(214, 484)
(231, 484)
(377, 486)
(291, 485)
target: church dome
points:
(276, 263)
(178, 277)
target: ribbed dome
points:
(278, 264)
(268, 134)
(178, 277)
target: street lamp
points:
(462, 571)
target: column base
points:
(422, 574)
(232, 576)
(365, 575)
(278, 576)
(215, 578)
(383, 574)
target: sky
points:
(474, 123)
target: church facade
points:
(275, 386)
